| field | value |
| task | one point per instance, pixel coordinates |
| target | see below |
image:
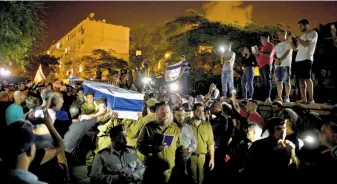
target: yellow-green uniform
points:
(133, 131)
(204, 135)
(147, 139)
(88, 109)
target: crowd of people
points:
(57, 133)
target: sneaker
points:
(311, 102)
(250, 98)
(278, 100)
(268, 100)
(286, 100)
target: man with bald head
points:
(14, 112)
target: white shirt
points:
(307, 53)
(227, 67)
(281, 49)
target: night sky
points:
(63, 16)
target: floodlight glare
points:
(222, 49)
(309, 139)
(147, 80)
(174, 87)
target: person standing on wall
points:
(227, 61)
(305, 57)
(265, 60)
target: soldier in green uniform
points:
(133, 130)
(80, 100)
(205, 143)
(88, 107)
(118, 163)
(151, 142)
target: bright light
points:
(309, 139)
(138, 52)
(174, 87)
(4, 72)
(147, 80)
(167, 55)
(80, 69)
(222, 49)
(58, 45)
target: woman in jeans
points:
(248, 62)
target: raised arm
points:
(57, 139)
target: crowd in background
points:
(54, 133)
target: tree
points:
(32, 63)
(99, 59)
(21, 27)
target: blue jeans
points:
(265, 76)
(247, 81)
(227, 82)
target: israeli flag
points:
(125, 102)
(173, 72)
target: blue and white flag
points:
(125, 102)
(173, 72)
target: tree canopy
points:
(32, 63)
(21, 27)
(188, 33)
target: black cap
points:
(117, 129)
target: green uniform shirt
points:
(88, 109)
(133, 129)
(146, 141)
(204, 135)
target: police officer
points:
(118, 163)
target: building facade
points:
(87, 36)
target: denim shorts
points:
(282, 74)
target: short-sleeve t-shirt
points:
(281, 49)
(262, 60)
(253, 118)
(14, 112)
(76, 132)
(307, 53)
(228, 67)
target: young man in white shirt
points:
(305, 56)
(283, 52)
